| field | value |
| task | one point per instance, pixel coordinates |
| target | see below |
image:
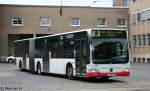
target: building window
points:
(143, 16)
(45, 21)
(139, 17)
(101, 22)
(143, 60)
(147, 15)
(134, 59)
(139, 60)
(148, 39)
(139, 40)
(125, 3)
(74, 22)
(134, 41)
(121, 22)
(143, 40)
(134, 18)
(17, 21)
(148, 60)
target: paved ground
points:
(11, 79)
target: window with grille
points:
(101, 22)
(74, 22)
(121, 22)
(143, 40)
(134, 18)
(134, 41)
(148, 39)
(139, 40)
(45, 21)
(139, 17)
(17, 21)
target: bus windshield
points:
(109, 47)
(110, 51)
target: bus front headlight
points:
(126, 70)
(93, 70)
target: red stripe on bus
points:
(101, 74)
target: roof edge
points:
(23, 5)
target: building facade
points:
(25, 21)
(139, 29)
(139, 11)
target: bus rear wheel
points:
(39, 69)
(69, 72)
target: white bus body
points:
(87, 53)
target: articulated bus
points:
(89, 53)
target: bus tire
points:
(10, 61)
(20, 64)
(39, 69)
(69, 72)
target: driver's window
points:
(120, 48)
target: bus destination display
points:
(108, 34)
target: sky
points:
(92, 3)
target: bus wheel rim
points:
(69, 72)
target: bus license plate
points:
(110, 74)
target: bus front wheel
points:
(69, 72)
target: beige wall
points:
(139, 28)
(31, 17)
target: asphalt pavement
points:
(13, 79)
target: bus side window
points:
(54, 47)
(39, 49)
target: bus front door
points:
(80, 48)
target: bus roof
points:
(71, 32)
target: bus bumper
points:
(104, 74)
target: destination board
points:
(108, 34)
